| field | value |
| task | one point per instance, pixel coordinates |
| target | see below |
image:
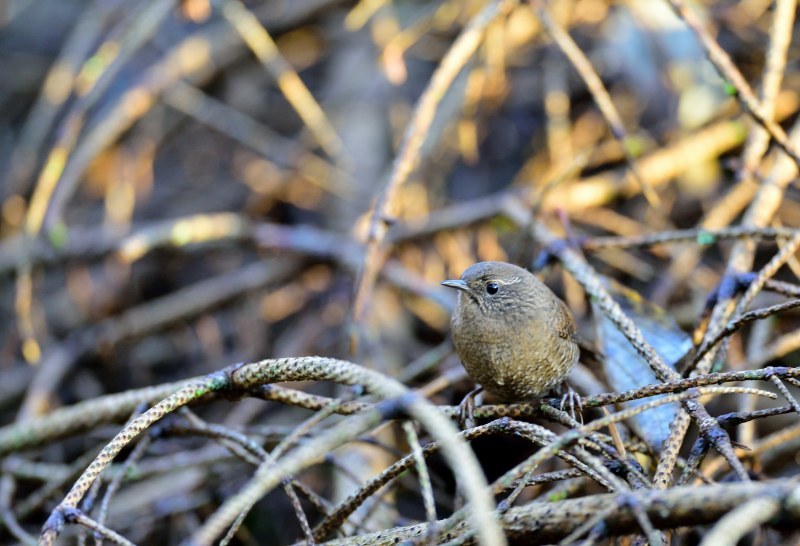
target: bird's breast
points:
(514, 362)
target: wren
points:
(513, 335)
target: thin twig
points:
(426, 489)
(599, 93)
(724, 65)
(735, 325)
(408, 156)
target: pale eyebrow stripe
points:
(512, 280)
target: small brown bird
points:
(513, 335)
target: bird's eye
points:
(492, 288)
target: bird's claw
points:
(466, 409)
(571, 401)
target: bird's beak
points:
(457, 283)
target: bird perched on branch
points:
(514, 336)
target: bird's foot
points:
(466, 409)
(571, 402)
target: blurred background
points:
(189, 184)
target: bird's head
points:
(494, 287)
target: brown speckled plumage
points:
(518, 342)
